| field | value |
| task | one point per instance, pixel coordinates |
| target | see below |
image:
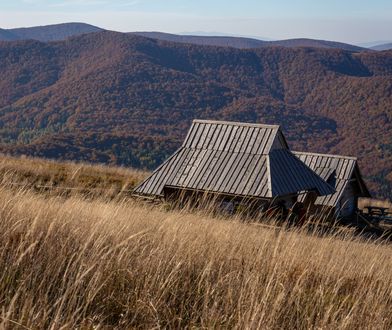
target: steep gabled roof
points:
(232, 158)
(344, 169)
(232, 136)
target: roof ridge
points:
(325, 155)
(228, 151)
(235, 123)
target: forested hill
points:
(243, 43)
(48, 32)
(125, 99)
(63, 31)
(5, 35)
(387, 46)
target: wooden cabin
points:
(239, 163)
(343, 174)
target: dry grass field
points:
(68, 178)
(98, 263)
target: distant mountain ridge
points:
(46, 33)
(220, 41)
(243, 43)
(126, 99)
(304, 42)
(6, 35)
(63, 31)
(387, 46)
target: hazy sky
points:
(354, 21)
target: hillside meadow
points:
(72, 261)
(68, 178)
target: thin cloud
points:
(81, 3)
(86, 3)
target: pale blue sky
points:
(345, 20)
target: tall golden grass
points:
(77, 263)
(68, 178)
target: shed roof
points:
(344, 169)
(250, 160)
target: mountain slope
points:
(62, 31)
(125, 99)
(221, 41)
(6, 35)
(303, 42)
(382, 47)
(51, 32)
(243, 43)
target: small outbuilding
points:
(238, 162)
(341, 172)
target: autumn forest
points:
(123, 99)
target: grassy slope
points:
(68, 177)
(56, 177)
(76, 262)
